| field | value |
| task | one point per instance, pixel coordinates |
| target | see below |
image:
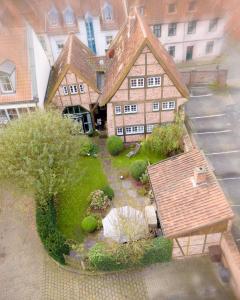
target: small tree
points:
(37, 151)
(166, 140)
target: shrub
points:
(108, 191)
(114, 145)
(166, 140)
(52, 239)
(89, 224)
(87, 147)
(98, 200)
(144, 178)
(160, 250)
(133, 254)
(138, 168)
(102, 259)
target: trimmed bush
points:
(102, 259)
(98, 200)
(114, 145)
(89, 224)
(139, 253)
(87, 147)
(160, 250)
(108, 191)
(53, 241)
(138, 168)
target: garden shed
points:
(191, 206)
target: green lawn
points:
(122, 161)
(73, 202)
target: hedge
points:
(102, 258)
(159, 251)
(52, 239)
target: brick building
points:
(131, 90)
(72, 85)
(142, 87)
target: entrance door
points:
(189, 54)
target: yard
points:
(121, 161)
(73, 202)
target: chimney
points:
(200, 175)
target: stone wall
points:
(231, 259)
(193, 77)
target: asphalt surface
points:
(214, 120)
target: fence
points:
(191, 78)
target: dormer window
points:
(172, 8)
(53, 17)
(7, 77)
(107, 12)
(68, 16)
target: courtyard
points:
(28, 273)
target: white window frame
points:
(118, 110)
(137, 83)
(213, 24)
(108, 39)
(65, 90)
(209, 47)
(192, 27)
(149, 128)
(81, 88)
(155, 106)
(135, 129)
(130, 109)
(168, 105)
(172, 50)
(4, 84)
(154, 81)
(73, 88)
(119, 130)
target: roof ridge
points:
(70, 48)
(143, 29)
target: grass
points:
(122, 161)
(73, 202)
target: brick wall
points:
(205, 77)
(231, 259)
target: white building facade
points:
(192, 40)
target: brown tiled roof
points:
(156, 11)
(182, 207)
(78, 58)
(14, 47)
(128, 44)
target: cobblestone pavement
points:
(61, 285)
(27, 273)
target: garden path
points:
(125, 190)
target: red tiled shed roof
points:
(183, 207)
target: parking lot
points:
(214, 120)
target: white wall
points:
(42, 68)
(199, 39)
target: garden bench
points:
(134, 151)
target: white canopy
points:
(125, 224)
